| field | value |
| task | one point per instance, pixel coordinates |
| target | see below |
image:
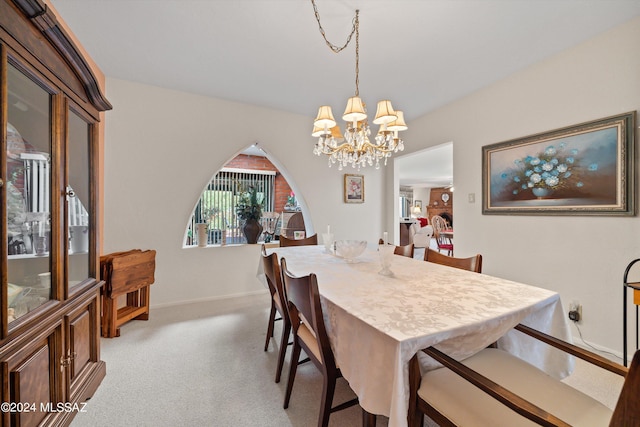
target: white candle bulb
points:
(385, 236)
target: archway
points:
(284, 211)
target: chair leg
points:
(415, 417)
(368, 419)
(272, 318)
(328, 389)
(295, 355)
(284, 341)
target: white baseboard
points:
(229, 301)
(611, 354)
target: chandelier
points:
(356, 148)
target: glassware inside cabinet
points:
(78, 199)
(28, 194)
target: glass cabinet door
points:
(78, 198)
(28, 194)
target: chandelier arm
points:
(366, 147)
(378, 149)
(334, 48)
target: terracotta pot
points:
(252, 230)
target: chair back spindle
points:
(444, 243)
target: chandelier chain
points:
(357, 26)
(334, 48)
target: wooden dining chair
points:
(311, 240)
(311, 336)
(473, 263)
(444, 243)
(278, 305)
(405, 250)
(495, 388)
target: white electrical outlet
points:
(472, 197)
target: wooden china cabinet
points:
(50, 106)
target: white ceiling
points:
(420, 54)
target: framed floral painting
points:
(584, 169)
(353, 188)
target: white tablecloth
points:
(377, 323)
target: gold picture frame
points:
(353, 188)
(584, 169)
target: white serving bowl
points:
(350, 249)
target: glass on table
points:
(386, 253)
(327, 239)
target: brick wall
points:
(282, 188)
(437, 206)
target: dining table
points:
(377, 322)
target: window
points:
(217, 203)
(406, 201)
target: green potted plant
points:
(249, 209)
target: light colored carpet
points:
(203, 365)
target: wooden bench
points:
(129, 273)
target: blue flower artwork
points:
(575, 168)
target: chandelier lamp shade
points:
(356, 147)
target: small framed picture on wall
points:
(353, 188)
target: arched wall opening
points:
(284, 209)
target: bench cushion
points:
(467, 405)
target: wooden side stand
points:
(129, 273)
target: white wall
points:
(421, 193)
(161, 149)
(581, 257)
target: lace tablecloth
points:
(377, 323)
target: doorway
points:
(418, 173)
